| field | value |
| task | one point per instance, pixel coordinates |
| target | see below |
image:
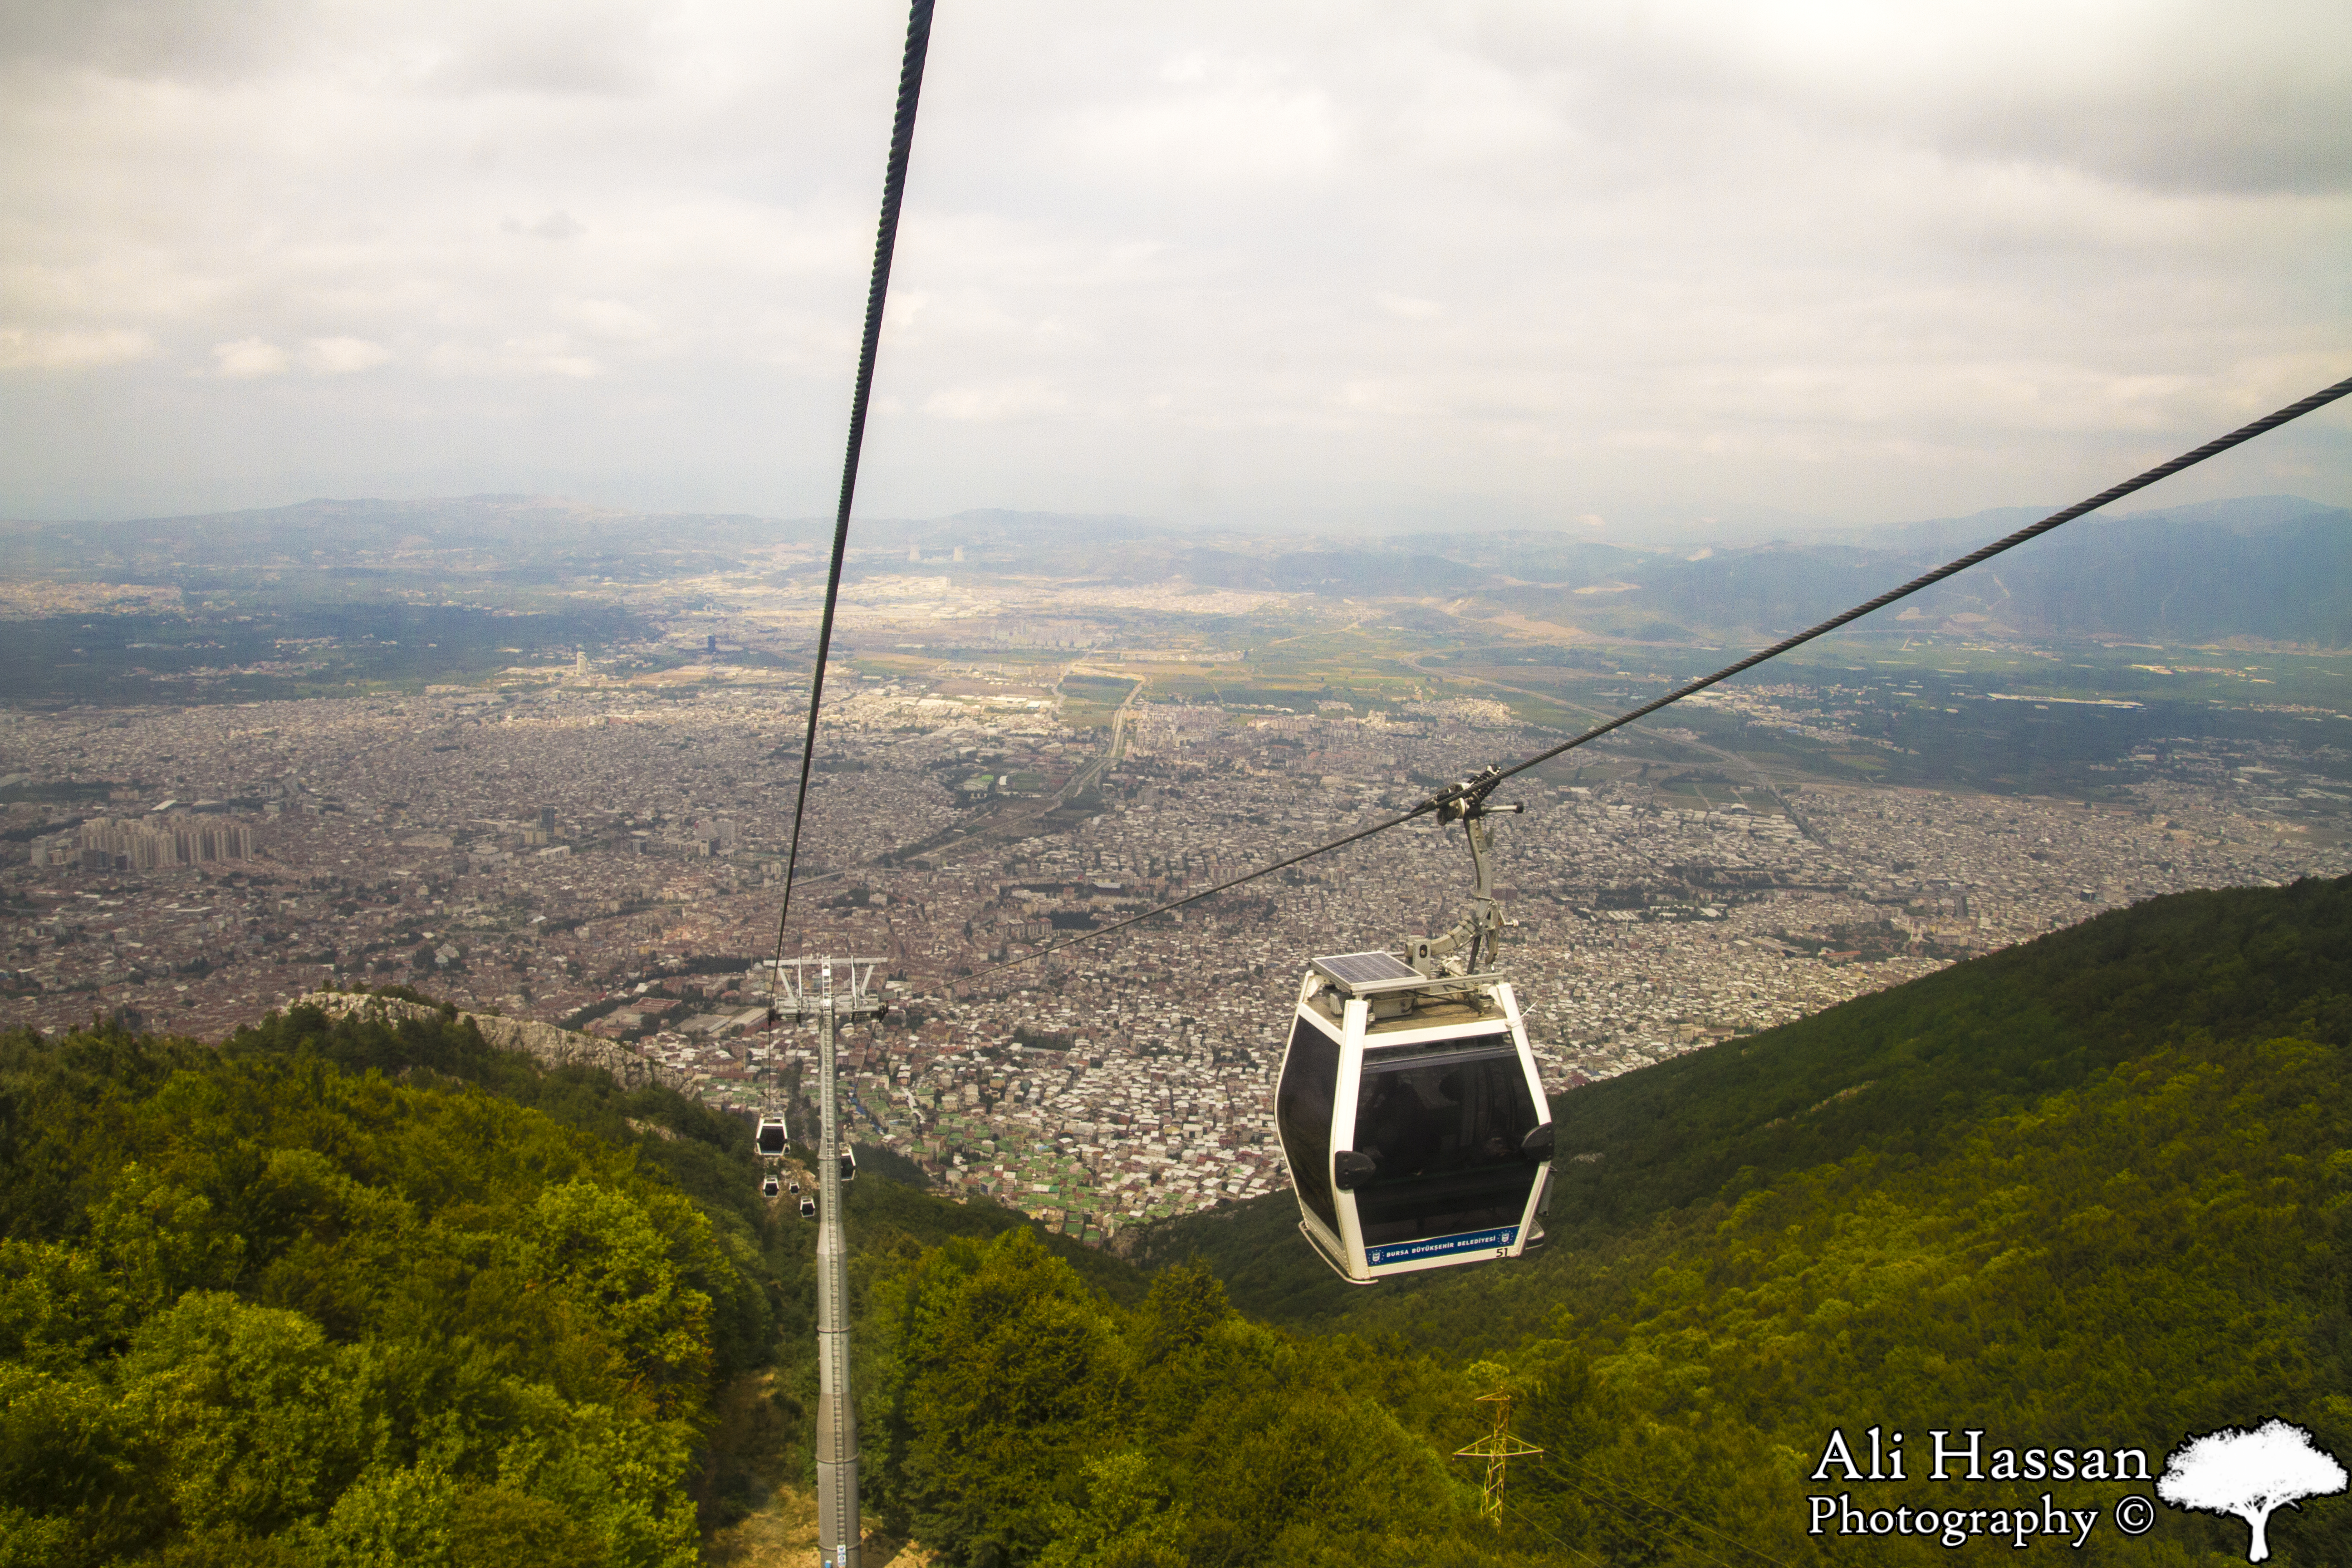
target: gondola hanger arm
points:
(1480, 933)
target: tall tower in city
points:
(959, 554)
(580, 664)
(915, 553)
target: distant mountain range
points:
(512, 530)
(2272, 568)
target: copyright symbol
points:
(2134, 1515)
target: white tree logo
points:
(2249, 1474)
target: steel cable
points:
(885, 242)
(2163, 470)
(1485, 781)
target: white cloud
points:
(556, 225)
(1636, 257)
(995, 403)
(343, 356)
(1216, 121)
(543, 354)
(612, 320)
(71, 349)
(248, 358)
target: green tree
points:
(1128, 1520)
(1018, 1381)
(497, 1527)
(263, 1422)
(78, 1481)
(597, 1253)
(392, 1517)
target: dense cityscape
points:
(606, 856)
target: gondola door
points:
(1412, 1119)
(1447, 1151)
(1305, 1095)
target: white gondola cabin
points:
(808, 1208)
(770, 1141)
(769, 1186)
(848, 1165)
(1411, 1118)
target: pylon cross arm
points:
(1496, 1449)
(843, 1008)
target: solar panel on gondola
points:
(1360, 970)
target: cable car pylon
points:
(807, 989)
(1498, 1448)
(839, 1537)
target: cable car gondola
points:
(769, 1186)
(771, 1136)
(848, 1165)
(1411, 1117)
(808, 1208)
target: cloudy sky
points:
(1603, 266)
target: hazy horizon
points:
(890, 535)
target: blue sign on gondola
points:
(1442, 1245)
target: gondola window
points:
(1310, 1080)
(1442, 1131)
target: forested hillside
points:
(2094, 1190)
(256, 1307)
(350, 1294)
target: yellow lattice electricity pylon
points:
(1498, 1448)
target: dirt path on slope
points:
(782, 1533)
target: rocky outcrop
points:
(545, 1043)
